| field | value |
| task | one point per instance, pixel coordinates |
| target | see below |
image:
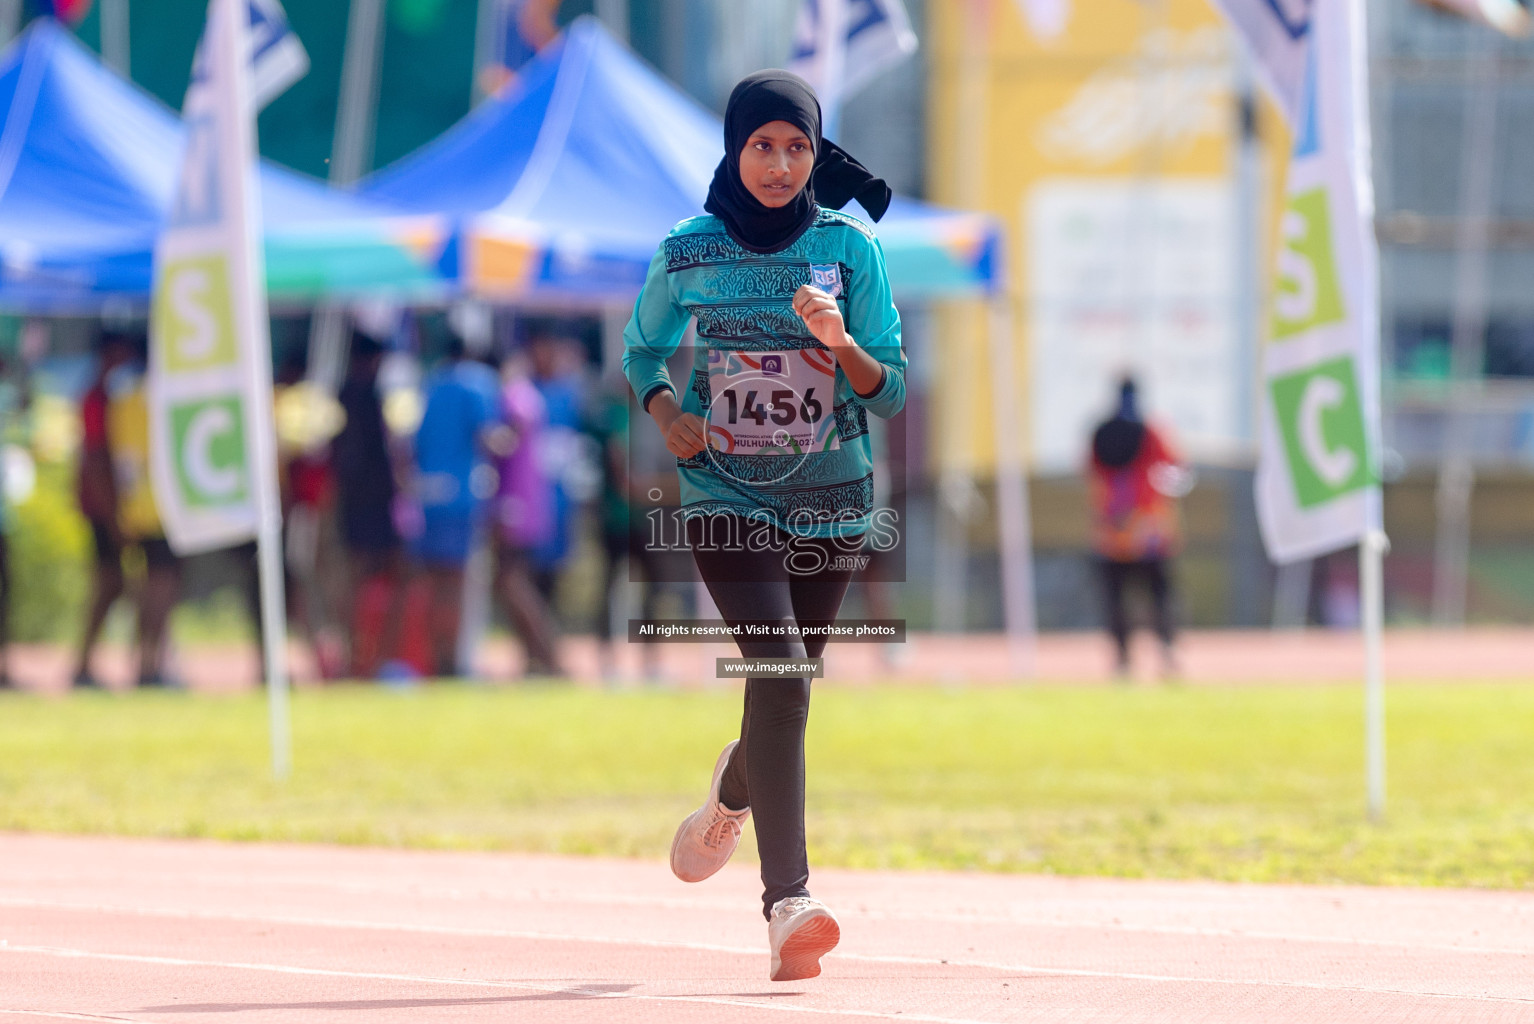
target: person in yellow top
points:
(138, 518)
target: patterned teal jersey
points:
(788, 437)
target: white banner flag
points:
(277, 56)
(1278, 34)
(842, 45)
(1317, 476)
(212, 450)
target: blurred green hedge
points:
(50, 556)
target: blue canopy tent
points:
(88, 167)
(562, 186)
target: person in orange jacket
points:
(1135, 476)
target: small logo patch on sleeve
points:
(827, 277)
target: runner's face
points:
(776, 163)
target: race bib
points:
(772, 403)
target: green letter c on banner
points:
(1320, 417)
(210, 452)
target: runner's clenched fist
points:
(821, 315)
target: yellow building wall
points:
(1129, 91)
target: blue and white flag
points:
(1277, 33)
(277, 56)
(842, 45)
(1318, 486)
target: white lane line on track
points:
(874, 915)
(555, 895)
(520, 986)
(703, 947)
(66, 1015)
(1519, 903)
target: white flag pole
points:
(832, 62)
(116, 39)
(1467, 337)
(1371, 573)
(274, 630)
(350, 157)
(1012, 511)
(1374, 545)
(230, 57)
(10, 20)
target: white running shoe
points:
(708, 836)
(802, 930)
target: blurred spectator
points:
(625, 540)
(305, 418)
(1135, 475)
(306, 490)
(525, 518)
(879, 594)
(453, 482)
(559, 372)
(1334, 586)
(365, 500)
(138, 519)
(96, 491)
(521, 28)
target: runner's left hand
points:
(821, 315)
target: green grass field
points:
(1241, 783)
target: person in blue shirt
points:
(798, 343)
(559, 373)
(453, 483)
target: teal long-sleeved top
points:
(814, 478)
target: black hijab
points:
(836, 180)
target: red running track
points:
(173, 931)
(1220, 657)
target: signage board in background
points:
(1136, 278)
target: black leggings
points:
(766, 772)
(1116, 578)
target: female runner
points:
(798, 341)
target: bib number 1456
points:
(774, 403)
(781, 409)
